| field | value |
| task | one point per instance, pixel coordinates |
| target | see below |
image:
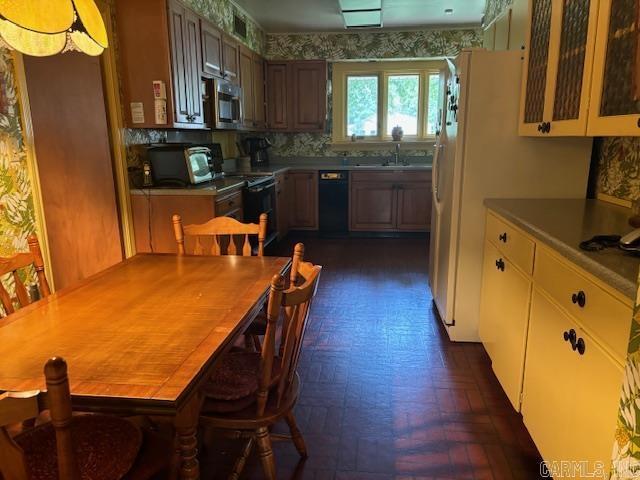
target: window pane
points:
(362, 106)
(433, 105)
(402, 103)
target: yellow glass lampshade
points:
(48, 27)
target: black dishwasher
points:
(334, 202)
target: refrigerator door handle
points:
(436, 177)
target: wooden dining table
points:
(141, 337)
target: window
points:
(371, 99)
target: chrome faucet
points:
(396, 155)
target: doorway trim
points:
(111, 88)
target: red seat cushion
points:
(234, 384)
(105, 447)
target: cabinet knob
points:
(503, 237)
(579, 299)
(571, 336)
(500, 265)
(580, 346)
(639, 123)
(541, 128)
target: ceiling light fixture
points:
(361, 13)
(47, 27)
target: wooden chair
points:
(72, 447)
(219, 230)
(251, 391)
(12, 266)
(222, 230)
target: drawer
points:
(605, 317)
(511, 242)
(391, 176)
(229, 203)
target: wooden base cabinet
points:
(570, 400)
(303, 196)
(390, 201)
(504, 319)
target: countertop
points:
(563, 224)
(217, 187)
(228, 184)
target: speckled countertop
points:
(563, 224)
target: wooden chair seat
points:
(105, 447)
(246, 419)
(234, 385)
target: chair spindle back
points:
(12, 266)
(219, 229)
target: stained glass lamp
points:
(46, 27)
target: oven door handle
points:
(261, 188)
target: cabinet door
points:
(504, 319)
(309, 102)
(563, 389)
(259, 111)
(373, 206)
(303, 212)
(536, 67)
(230, 59)
(615, 96)
(571, 65)
(180, 64)
(277, 82)
(193, 57)
(211, 49)
(246, 82)
(414, 207)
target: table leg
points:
(186, 423)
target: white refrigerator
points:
(479, 155)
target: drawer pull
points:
(579, 299)
(503, 237)
(500, 265)
(571, 337)
(580, 346)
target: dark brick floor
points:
(385, 394)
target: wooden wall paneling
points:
(71, 139)
(192, 208)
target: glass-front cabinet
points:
(557, 67)
(615, 97)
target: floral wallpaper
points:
(365, 45)
(17, 217)
(220, 12)
(619, 167)
(626, 448)
(495, 8)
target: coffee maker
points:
(258, 149)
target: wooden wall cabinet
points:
(557, 68)
(211, 50)
(558, 360)
(277, 107)
(615, 94)
(303, 200)
(169, 51)
(230, 59)
(246, 82)
(390, 201)
(297, 95)
(259, 95)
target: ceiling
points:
(279, 16)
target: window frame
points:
(383, 70)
